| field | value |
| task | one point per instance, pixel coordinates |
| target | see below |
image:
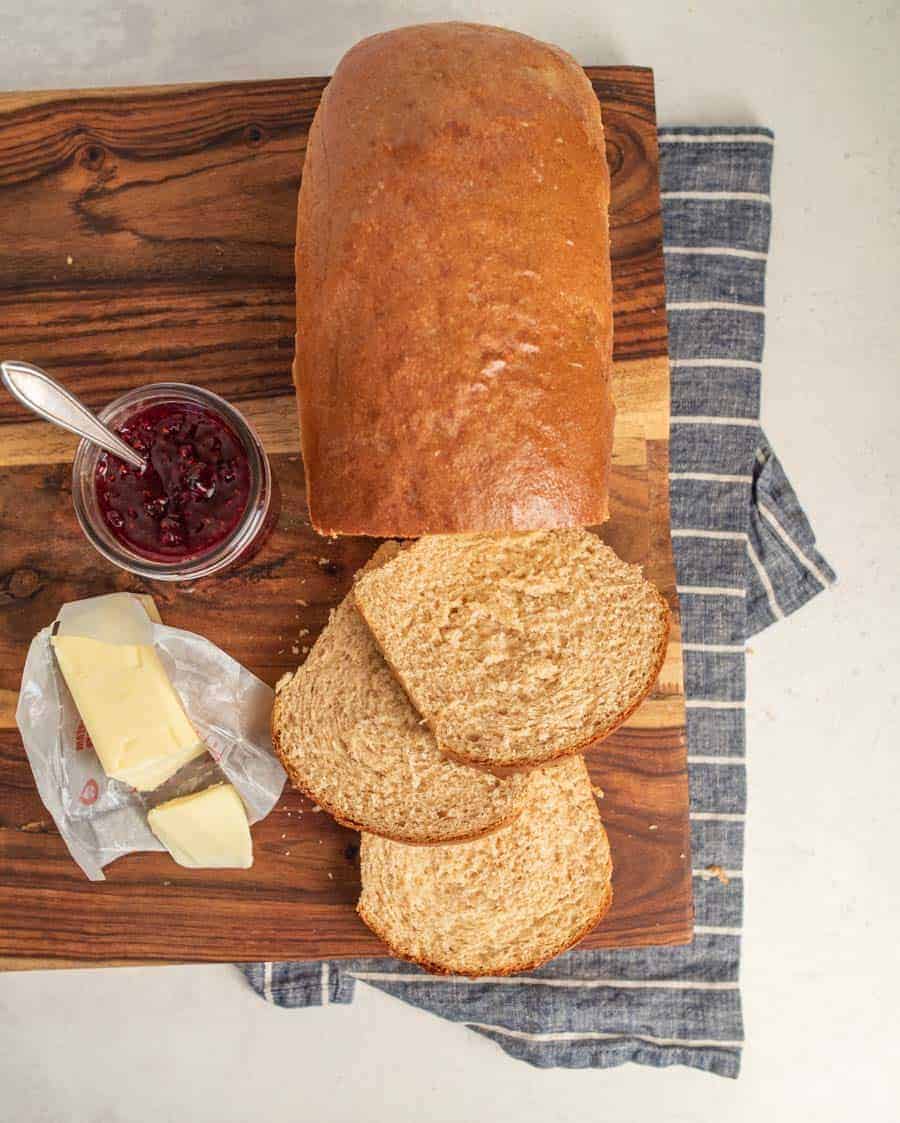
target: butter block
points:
(130, 709)
(206, 830)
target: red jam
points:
(192, 492)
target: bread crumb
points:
(287, 853)
(316, 809)
(324, 561)
(68, 259)
(284, 836)
(303, 632)
(330, 876)
(598, 791)
(320, 842)
(653, 827)
(718, 872)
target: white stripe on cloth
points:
(718, 816)
(267, 982)
(713, 704)
(699, 419)
(807, 563)
(717, 760)
(715, 138)
(718, 196)
(714, 306)
(513, 980)
(717, 251)
(717, 871)
(597, 1035)
(740, 364)
(765, 581)
(710, 591)
(326, 979)
(716, 648)
(711, 477)
(716, 930)
(697, 532)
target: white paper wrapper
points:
(101, 819)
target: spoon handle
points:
(38, 392)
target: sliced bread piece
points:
(348, 737)
(500, 904)
(517, 649)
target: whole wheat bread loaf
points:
(517, 649)
(348, 737)
(454, 294)
(500, 904)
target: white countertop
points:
(820, 979)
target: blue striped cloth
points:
(745, 556)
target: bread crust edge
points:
(511, 969)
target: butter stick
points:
(130, 709)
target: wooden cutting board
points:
(146, 235)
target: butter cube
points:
(206, 830)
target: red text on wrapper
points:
(82, 740)
(89, 793)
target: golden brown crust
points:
(518, 968)
(303, 787)
(454, 299)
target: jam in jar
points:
(192, 491)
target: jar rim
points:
(205, 564)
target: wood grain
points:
(148, 234)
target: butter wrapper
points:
(101, 819)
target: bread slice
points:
(348, 737)
(517, 649)
(500, 904)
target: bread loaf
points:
(517, 649)
(500, 904)
(454, 319)
(349, 738)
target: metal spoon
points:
(37, 391)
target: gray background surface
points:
(821, 986)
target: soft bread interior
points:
(348, 736)
(517, 649)
(503, 903)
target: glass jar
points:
(239, 543)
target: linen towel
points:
(745, 556)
